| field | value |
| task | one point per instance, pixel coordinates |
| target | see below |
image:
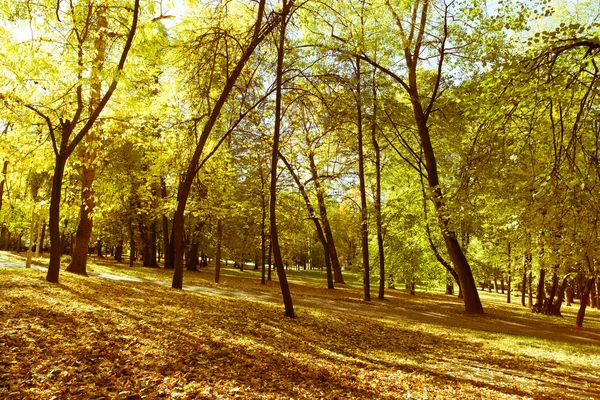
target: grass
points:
(107, 338)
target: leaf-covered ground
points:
(106, 338)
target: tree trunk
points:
(530, 289)
(260, 33)
(313, 217)
(269, 260)
(84, 229)
(90, 154)
(524, 287)
(509, 275)
(2, 183)
(7, 240)
(38, 242)
(31, 237)
(364, 230)
(263, 227)
(192, 257)
(43, 237)
(54, 219)
(583, 302)
(548, 303)
(218, 251)
(555, 310)
(285, 290)
(119, 252)
(99, 249)
(152, 263)
(541, 292)
(335, 263)
(377, 199)
(145, 241)
(168, 259)
(132, 256)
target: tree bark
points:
(54, 219)
(65, 149)
(192, 257)
(467, 283)
(3, 182)
(218, 251)
(78, 263)
(152, 263)
(320, 193)
(583, 302)
(165, 228)
(530, 289)
(132, 256)
(43, 236)
(313, 217)
(509, 275)
(285, 290)
(541, 292)
(555, 310)
(377, 199)
(364, 229)
(260, 33)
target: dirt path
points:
(382, 310)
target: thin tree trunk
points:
(218, 251)
(132, 256)
(364, 229)
(377, 199)
(38, 242)
(269, 261)
(43, 237)
(152, 263)
(285, 290)
(530, 289)
(509, 275)
(313, 217)
(335, 263)
(165, 226)
(2, 183)
(31, 237)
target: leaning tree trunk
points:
(313, 217)
(260, 33)
(364, 230)
(335, 263)
(283, 283)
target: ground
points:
(124, 333)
